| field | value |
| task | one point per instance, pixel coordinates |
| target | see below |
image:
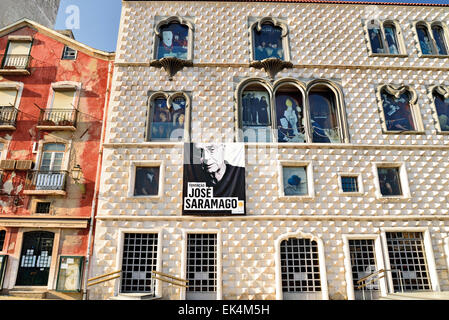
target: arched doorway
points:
(35, 258)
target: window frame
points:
(132, 180)
(166, 21)
(403, 181)
(397, 90)
(358, 176)
(64, 52)
(429, 26)
(402, 50)
(256, 24)
(23, 39)
(310, 180)
(35, 203)
(442, 90)
(304, 89)
(169, 96)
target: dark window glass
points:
(323, 117)
(68, 54)
(256, 116)
(424, 40)
(2, 239)
(173, 41)
(268, 43)
(442, 106)
(167, 123)
(349, 184)
(392, 40)
(375, 37)
(438, 35)
(147, 181)
(290, 117)
(389, 181)
(295, 181)
(43, 207)
(398, 115)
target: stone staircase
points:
(444, 295)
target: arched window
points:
(441, 103)
(269, 39)
(299, 115)
(256, 114)
(300, 269)
(398, 108)
(168, 119)
(173, 38)
(432, 38)
(384, 37)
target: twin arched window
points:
(173, 38)
(383, 37)
(432, 38)
(290, 111)
(440, 96)
(269, 39)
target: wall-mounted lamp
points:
(77, 173)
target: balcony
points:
(58, 119)
(46, 183)
(15, 64)
(8, 118)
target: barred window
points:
(363, 263)
(349, 184)
(139, 259)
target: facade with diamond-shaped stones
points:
(355, 107)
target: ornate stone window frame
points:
(271, 65)
(304, 89)
(444, 91)
(132, 179)
(429, 26)
(397, 90)
(321, 259)
(170, 96)
(310, 180)
(406, 194)
(172, 64)
(399, 36)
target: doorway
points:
(35, 258)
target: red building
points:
(54, 92)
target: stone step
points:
(134, 296)
(443, 295)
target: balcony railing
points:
(15, 61)
(53, 118)
(46, 181)
(8, 116)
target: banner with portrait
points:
(214, 179)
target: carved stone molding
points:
(271, 65)
(443, 90)
(171, 65)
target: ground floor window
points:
(139, 259)
(363, 263)
(202, 266)
(300, 269)
(409, 269)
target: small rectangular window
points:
(295, 181)
(69, 53)
(390, 184)
(147, 181)
(43, 207)
(349, 184)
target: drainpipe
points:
(97, 182)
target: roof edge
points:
(75, 44)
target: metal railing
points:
(46, 180)
(104, 277)
(8, 116)
(375, 276)
(15, 61)
(58, 117)
(156, 275)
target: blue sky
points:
(99, 20)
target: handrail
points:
(171, 282)
(370, 275)
(103, 276)
(155, 277)
(363, 281)
(169, 276)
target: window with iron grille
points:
(349, 184)
(408, 261)
(300, 266)
(43, 207)
(69, 53)
(139, 259)
(2, 239)
(363, 261)
(202, 263)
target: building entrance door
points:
(35, 258)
